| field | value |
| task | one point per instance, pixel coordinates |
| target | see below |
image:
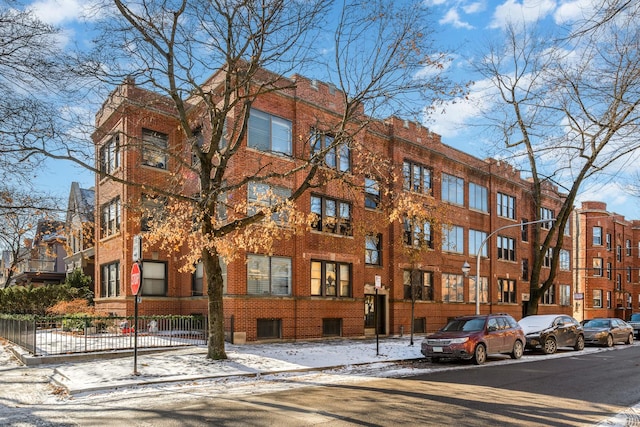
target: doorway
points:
(375, 304)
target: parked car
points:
(634, 321)
(475, 337)
(550, 331)
(607, 331)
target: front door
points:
(375, 312)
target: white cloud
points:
(572, 11)
(474, 7)
(452, 17)
(513, 11)
(56, 12)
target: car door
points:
(617, 330)
(569, 332)
(493, 336)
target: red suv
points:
(474, 337)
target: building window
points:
(268, 329)
(609, 271)
(154, 149)
(565, 260)
(524, 230)
(619, 253)
(608, 237)
(332, 216)
(546, 213)
(422, 282)
(110, 155)
(154, 278)
(506, 248)
(549, 296)
(268, 275)
(336, 156)
(628, 247)
(478, 197)
(110, 218)
(417, 178)
(417, 233)
(525, 269)
(371, 193)
(264, 197)
(608, 299)
(597, 267)
(269, 133)
(618, 282)
(506, 206)
(110, 280)
(452, 288)
(373, 249)
(484, 289)
(330, 279)
(197, 281)
(565, 295)
(546, 262)
(507, 291)
(597, 298)
(476, 239)
(628, 274)
(453, 239)
(153, 209)
(452, 189)
(597, 236)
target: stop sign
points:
(136, 276)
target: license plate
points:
(437, 349)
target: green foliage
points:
(78, 280)
(35, 300)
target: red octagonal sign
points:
(136, 276)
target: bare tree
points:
(567, 111)
(381, 60)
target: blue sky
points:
(461, 26)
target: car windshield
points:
(597, 324)
(467, 325)
(635, 317)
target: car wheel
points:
(579, 343)
(480, 354)
(609, 342)
(630, 339)
(518, 349)
(549, 346)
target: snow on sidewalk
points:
(188, 364)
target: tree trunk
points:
(213, 275)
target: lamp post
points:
(466, 267)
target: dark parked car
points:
(634, 321)
(550, 331)
(607, 331)
(474, 337)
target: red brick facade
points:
(299, 314)
(608, 254)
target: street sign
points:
(137, 248)
(136, 278)
(378, 282)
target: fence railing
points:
(46, 336)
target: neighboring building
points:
(43, 263)
(323, 283)
(80, 231)
(607, 253)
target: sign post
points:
(136, 280)
(375, 313)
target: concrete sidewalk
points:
(189, 364)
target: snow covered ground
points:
(249, 369)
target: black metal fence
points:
(46, 336)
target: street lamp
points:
(466, 267)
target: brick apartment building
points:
(607, 251)
(324, 282)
